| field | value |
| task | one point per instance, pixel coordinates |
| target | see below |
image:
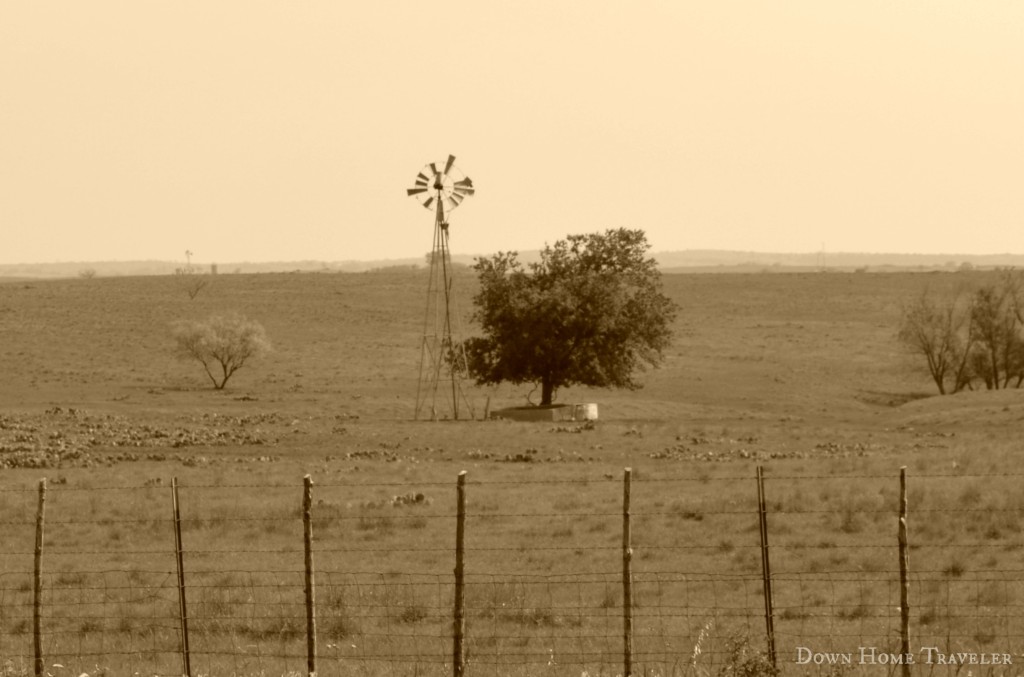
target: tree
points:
(936, 330)
(191, 279)
(977, 338)
(223, 343)
(996, 333)
(590, 312)
(191, 276)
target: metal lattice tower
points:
(439, 391)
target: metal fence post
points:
(766, 567)
(37, 602)
(627, 578)
(186, 661)
(904, 573)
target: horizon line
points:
(815, 253)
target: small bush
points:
(339, 627)
(684, 512)
(612, 599)
(376, 526)
(223, 344)
(745, 661)
(413, 613)
(956, 568)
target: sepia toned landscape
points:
(800, 374)
(735, 290)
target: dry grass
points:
(800, 373)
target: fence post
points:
(307, 521)
(459, 623)
(766, 567)
(186, 661)
(627, 579)
(37, 603)
(904, 571)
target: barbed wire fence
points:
(633, 575)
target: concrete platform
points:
(555, 412)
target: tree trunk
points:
(937, 369)
(547, 391)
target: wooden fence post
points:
(627, 579)
(186, 660)
(766, 567)
(459, 623)
(904, 573)
(37, 602)
(307, 521)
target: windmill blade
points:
(438, 187)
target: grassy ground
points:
(798, 373)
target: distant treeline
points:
(694, 260)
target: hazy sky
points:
(290, 130)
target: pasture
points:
(799, 373)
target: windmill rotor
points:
(448, 186)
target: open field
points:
(799, 373)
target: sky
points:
(279, 131)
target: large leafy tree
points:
(590, 312)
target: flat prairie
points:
(799, 373)
(819, 347)
(775, 352)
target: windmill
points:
(442, 357)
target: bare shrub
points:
(190, 276)
(223, 344)
(191, 280)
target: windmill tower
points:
(442, 358)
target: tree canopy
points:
(590, 312)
